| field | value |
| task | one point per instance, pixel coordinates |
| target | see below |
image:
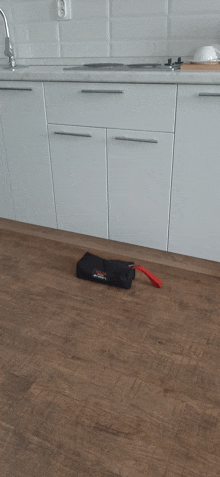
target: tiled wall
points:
(111, 28)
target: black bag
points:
(111, 272)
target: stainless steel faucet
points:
(9, 50)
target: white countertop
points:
(56, 73)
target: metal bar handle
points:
(15, 89)
(209, 94)
(72, 134)
(117, 91)
(123, 138)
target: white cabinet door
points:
(78, 157)
(26, 143)
(6, 200)
(195, 201)
(139, 177)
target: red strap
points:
(156, 282)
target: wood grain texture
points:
(200, 66)
(137, 252)
(105, 382)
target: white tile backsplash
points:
(137, 48)
(111, 28)
(89, 9)
(37, 33)
(189, 26)
(129, 28)
(38, 50)
(84, 30)
(187, 7)
(86, 49)
(126, 8)
(33, 11)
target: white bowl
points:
(206, 53)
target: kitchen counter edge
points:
(56, 73)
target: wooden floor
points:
(105, 382)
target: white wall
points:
(111, 28)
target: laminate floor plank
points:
(104, 382)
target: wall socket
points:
(64, 9)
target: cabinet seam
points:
(8, 169)
(107, 182)
(51, 169)
(171, 174)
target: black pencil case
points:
(116, 273)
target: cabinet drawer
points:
(129, 106)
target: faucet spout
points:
(9, 50)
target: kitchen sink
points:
(8, 67)
(121, 67)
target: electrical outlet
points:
(64, 9)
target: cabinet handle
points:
(15, 89)
(102, 91)
(72, 134)
(122, 138)
(209, 94)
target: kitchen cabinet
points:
(139, 178)
(106, 187)
(195, 201)
(138, 168)
(26, 143)
(6, 200)
(97, 159)
(78, 156)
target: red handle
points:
(156, 282)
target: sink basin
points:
(8, 67)
(120, 67)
